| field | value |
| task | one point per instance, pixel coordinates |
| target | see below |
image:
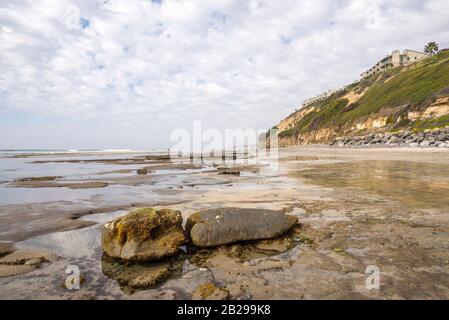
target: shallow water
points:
(12, 168)
(73, 243)
(420, 185)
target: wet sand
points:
(357, 208)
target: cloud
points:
(166, 63)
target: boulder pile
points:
(430, 139)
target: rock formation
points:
(215, 227)
(144, 234)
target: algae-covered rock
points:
(7, 270)
(209, 291)
(149, 278)
(217, 227)
(136, 276)
(278, 245)
(144, 234)
(29, 257)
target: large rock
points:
(144, 234)
(215, 227)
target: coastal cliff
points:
(413, 99)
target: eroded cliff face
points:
(324, 135)
(380, 122)
(289, 122)
(437, 109)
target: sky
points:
(116, 74)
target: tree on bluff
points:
(431, 48)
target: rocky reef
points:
(434, 139)
(15, 262)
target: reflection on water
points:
(13, 195)
(102, 218)
(15, 168)
(133, 277)
(422, 185)
(74, 243)
(137, 276)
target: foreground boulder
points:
(215, 227)
(144, 234)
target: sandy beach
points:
(357, 207)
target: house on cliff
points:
(395, 59)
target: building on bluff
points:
(395, 59)
(321, 97)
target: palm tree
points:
(431, 48)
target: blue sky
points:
(124, 74)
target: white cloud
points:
(230, 63)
